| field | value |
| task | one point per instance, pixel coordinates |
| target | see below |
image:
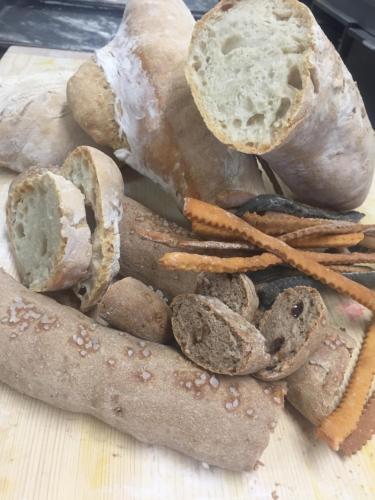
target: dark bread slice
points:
(294, 328)
(235, 290)
(216, 338)
(316, 388)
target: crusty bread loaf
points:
(160, 132)
(133, 307)
(139, 257)
(100, 180)
(235, 290)
(268, 81)
(294, 328)
(318, 386)
(216, 338)
(58, 355)
(48, 231)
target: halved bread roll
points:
(48, 231)
(100, 180)
(267, 81)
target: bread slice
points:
(266, 79)
(100, 180)
(216, 338)
(294, 328)
(235, 290)
(48, 231)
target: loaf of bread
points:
(216, 338)
(134, 98)
(58, 355)
(37, 126)
(294, 328)
(100, 180)
(235, 290)
(47, 228)
(139, 257)
(268, 81)
(131, 306)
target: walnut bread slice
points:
(268, 81)
(48, 231)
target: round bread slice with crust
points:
(100, 180)
(294, 328)
(48, 231)
(216, 338)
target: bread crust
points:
(71, 262)
(140, 83)
(107, 206)
(67, 360)
(311, 153)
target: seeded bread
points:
(294, 328)
(133, 307)
(100, 180)
(47, 229)
(62, 357)
(215, 337)
(235, 290)
(268, 81)
(137, 85)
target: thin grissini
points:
(62, 357)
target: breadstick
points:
(364, 431)
(329, 241)
(344, 420)
(205, 263)
(210, 232)
(58, 355)
(320, 230)
(217, 217)
(277, 224)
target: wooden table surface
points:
(50, 454)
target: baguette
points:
(47, 228)
(137, 82)
(268, 81)
(58, 355)
(133, 307)
(100, 180)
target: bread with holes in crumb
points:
(97, 176)
(268, 81)
(150, 391)
(47, 229)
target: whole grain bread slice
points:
(100, 180)
(294, 328)
(216, 338)
(47, 229)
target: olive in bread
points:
(47, 228)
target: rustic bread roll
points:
(139, 257)
(268, 81)
(137, 81)
(235, 290)
(294, 328)
(47, 229)
(58, 355)
(133, 307)
(100, 180)
(37, 127)
(216, 338)
(318, 386)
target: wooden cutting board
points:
(50, 454)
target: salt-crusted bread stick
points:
(58, 355)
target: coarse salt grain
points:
(80, 341)
(141, 343)
(188, 385)
(234, 391)
(146, 353)
(214, 382)
(145, 375)
(83, 353)
(111, 362)
(250, 413)
(130, 353)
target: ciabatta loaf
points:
(48, 231)
(100, 180)
(137, 81)
(268, 81)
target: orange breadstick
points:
(210, 232)
(364, 431)
(276, 224)
(329, 241)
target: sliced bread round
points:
(48, 231)
(216, 338)
(100, 180)
(294, 328)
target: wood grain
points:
(49, 454)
